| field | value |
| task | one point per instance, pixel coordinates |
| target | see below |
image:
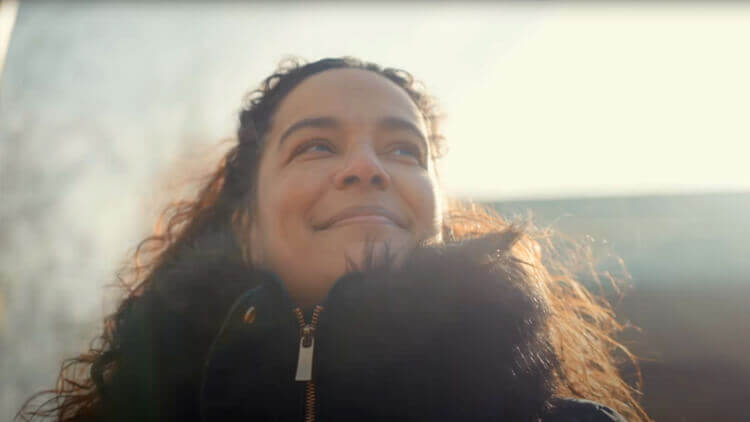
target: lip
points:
(363, 215)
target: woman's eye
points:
(319, 147)
(408, 151)
(405, 151)
(314, 146)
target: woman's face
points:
(346, 162)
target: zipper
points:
(305, 359)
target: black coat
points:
(454, 334)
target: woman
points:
(320, 274)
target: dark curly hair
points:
(581, 327)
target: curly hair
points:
(582, 327)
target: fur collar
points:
(457, 333)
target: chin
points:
(356, 245)
(364, 253)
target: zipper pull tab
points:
(305, 360)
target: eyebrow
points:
(326, 122)
(397, 123)
(314, 122)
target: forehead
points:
(350, 95)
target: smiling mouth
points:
(363, 219)
(363, 215)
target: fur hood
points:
(455, 333)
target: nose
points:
(362, 167)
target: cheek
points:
(422, 194)
(284, 203)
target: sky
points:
(608, 101)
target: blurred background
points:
(623, 124)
